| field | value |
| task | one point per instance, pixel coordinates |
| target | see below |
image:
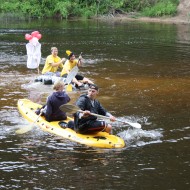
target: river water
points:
(143, 73)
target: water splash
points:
(140, 137)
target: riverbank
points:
(181, 19)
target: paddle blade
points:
(135, 125)
(24, 129)
(69, 108)
(28, 127)
(72, 74)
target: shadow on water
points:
(142, 70)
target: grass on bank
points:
(87, 8)
(164, 8)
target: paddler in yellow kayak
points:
(87, 123)
(79, 80)
(59, 97)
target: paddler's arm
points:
(66, 67)
(48, 112)
(53, 64)
(103, 111)
(112, 118)
(85, 113)
(79, 64)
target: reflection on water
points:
(142, 70)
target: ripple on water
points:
(9, 166)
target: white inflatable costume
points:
(33, 49)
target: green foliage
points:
(88, 12)
(161, 9)
(87, 8)
(136, 5)
(64, 8)
(9, 6)
(107, 6)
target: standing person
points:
(54, 101)
(33, 49)
(68, 66)
(86, 123)
(53, 62)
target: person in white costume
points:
(33, 49)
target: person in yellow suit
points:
(53, 63)
(79, 80)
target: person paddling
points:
(69, 65)
(87, 123)
(53, 63)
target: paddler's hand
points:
(42, 110)
(63, 60)
(86, 113)
(112, 118)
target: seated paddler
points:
(53, 63)
(78, 80)
(87, 123)
(54, 101)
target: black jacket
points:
(84, 103)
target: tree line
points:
(87, 8)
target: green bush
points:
(9, 6)
(64, 8)
(87, 8)
(160, 9)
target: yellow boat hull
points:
(101, 139)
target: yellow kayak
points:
(101, 139)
